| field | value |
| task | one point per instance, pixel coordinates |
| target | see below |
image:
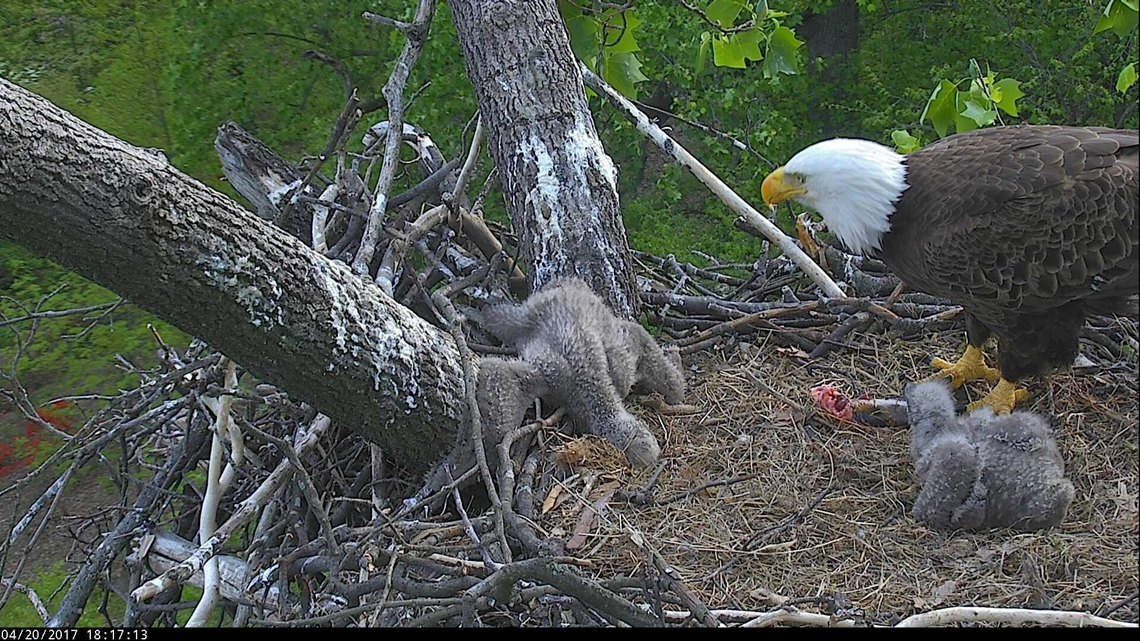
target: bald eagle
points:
(1028, 228)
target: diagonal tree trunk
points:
(561, 187)
(127, 219)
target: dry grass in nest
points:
(859, 545)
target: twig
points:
(424, 185)
(113, 543)
(704, 486)
(737, 324)
(61, 313)
(308, 488)
(393, 92)
(757, 539)
(48, 495)
(855, 322)
(676, 585)
(469, 378)
(335, 617)
(507, 477)
(1009, 615)
(244, 513)
(37, 602)
(563, 577)
(413, 232)
(745, 26)
(384, 21)
(30, 546)
(343, 127)
(488, 558)
(1121, 603)
(469, 164)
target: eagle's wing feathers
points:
(1021, 218)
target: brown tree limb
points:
(128, 220)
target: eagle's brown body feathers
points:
(1028, 228)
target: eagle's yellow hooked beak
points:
(775, 190)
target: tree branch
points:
(128, 220)
(393, 92)
(723, 191)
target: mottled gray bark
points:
(265, 179)
(128, 220)
(561, 187)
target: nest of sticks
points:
(766, 507)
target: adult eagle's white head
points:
(853, 184)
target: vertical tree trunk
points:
(831, 35)
(561, 186)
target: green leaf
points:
(1005, 94)
(761, 10)
(724, 12)
(703, 50)
(1127, 78)
(982, 115)
(1132, 4)
(583, 36)
(623, 72)
(904, 142)
(750, 44)
(961, 122)
(1120, 17)
(978, 93)
(727, 52)
(975, 69)
(583, 30)
(569, 9)
(941, 108)
(781, 55)
(625, 44)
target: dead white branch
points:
(797, 617)
(244, 514)
(469, 163)
(321, 216)
(37, 602)
(715, 184)
(393, 93)
(946, 616)
(218, 481)
(166, 550)
(755, 619)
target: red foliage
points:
(16, 456)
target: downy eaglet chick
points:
(984, 471)
(574, 352)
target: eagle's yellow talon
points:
(971, 367)
(1002, 398)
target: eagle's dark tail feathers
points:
(1121, 306)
